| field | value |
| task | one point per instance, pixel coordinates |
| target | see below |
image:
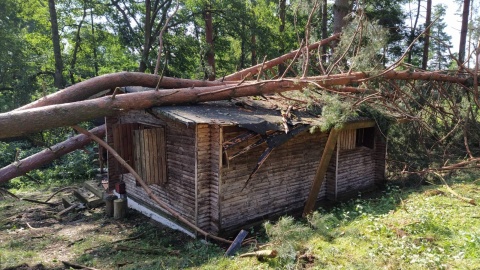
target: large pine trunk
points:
(48, 155)
(21, 122)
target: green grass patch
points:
(425, 227)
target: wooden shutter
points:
(347, 139)
(123, 143)
(150, 154)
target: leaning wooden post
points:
(326, 156)
(321, 170)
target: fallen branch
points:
(17, 123)
(77, 266)
(58, 191)
(128, 239)
(4, 191)
(156, 250)
(465, 199)
(68, 209)
(39, 202)
(261, 254)
(147, 189)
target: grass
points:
(424, 227)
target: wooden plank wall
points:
(360, 169)
(208, 160)
(179, 190)
(282, 183)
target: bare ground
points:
(32, 236)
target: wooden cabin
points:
(225, 165)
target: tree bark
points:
(340, 10)
(91, 87)
(146, 37)
(94, 41)
(48, 155)
(58, 79)
(77, 45)
(324, 31)
(463, 31)
(20, 122)
(210, 55)
(411, 38)
(426, 43)
(282, 12)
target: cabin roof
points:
(235, 112)
(259, 113)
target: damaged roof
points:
(251, 113)
(257, 113)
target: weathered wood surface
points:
(179, 189)
(91, 87)
(282, 183)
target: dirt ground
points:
(33, 236)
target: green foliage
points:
(335, 110)
(362, 45)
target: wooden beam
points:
(321, 170)
(325, 160)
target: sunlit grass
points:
(402, 228)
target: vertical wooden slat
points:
(156, 165)
(148, 159)
(163, 155)
(153, 155)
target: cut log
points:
(119, 208)
(48, 155)
(109, 210)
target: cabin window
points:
(365, 137)
(149, 151)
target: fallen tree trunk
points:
(20, 122)
(91, 87)
(48, 155)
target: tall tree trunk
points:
(77, 46)
(412, 32)
(58, 78)
(94, 42)
(210, 55)
(463, 31)
(253, 44)
(426, 44)
(324, 28)
(340, 10)
(282, 7)
(243, 45)
(146, 37)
